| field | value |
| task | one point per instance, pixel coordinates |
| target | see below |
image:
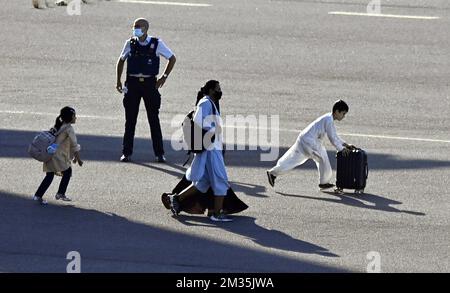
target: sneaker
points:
(40, 200)
(220, 217)
(174, 204)
(125, 158)
(211, 212)
(62, 197)
(326, 186)
(160, 159)
(165, 198)
(271, 178)
(61, 3)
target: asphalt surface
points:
(285, 58)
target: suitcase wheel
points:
(359, 191)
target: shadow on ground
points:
(37, 239)
(14, 143)
(247, 227)
(366, 201)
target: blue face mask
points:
(137, 32)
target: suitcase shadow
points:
(247, 227)
(365, 200)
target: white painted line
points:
(115, 118)
(395, 137)
(166, 3)
(371, 136)
(383, 15)
(53, 114)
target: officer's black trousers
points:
(137, 89)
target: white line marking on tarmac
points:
(261, 128)
(52, 114)
(396, 137)
(167, 3)
(383, 15)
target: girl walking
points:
(67, 150)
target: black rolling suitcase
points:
(352, 171)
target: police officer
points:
(142, 53)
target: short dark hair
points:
(340, 106)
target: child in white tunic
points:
(309, 146)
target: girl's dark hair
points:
(209, 85)
(65, 115)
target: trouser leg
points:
(218, 203)
(131, 103)
(152, 101)
(45, 184)
(291, 159)
(65, 181)
(323, 166)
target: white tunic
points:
(314, 133)
(211, 158)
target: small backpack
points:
(38, 147)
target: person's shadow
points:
(249, 189)
(168, 168)
(247, 227)
(365, 200)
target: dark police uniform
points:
(143, 59)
